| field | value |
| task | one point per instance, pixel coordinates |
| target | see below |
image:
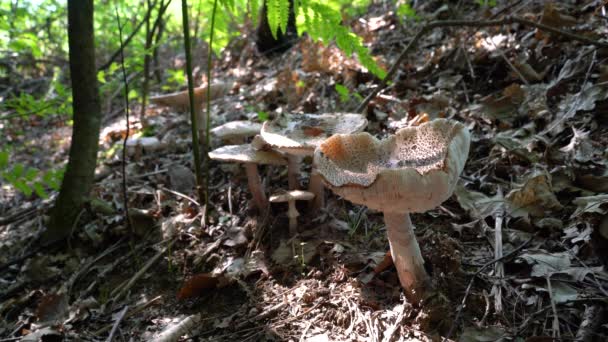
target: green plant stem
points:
(195, 151)
(208, 118)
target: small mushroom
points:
(181, 101)
(291, 197)
(298, 135)
(235, 132)
(414, 170)
(250, 158)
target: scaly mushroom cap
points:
(414, 170)
(247, 154)
(300, 134)
(237, 129)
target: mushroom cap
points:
(292, 195)
(246, 154)
(235, 129)
(300, 134)
(414, 170)
(181, 101)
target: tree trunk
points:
(79, 175)
(266, 43)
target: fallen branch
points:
(468, 23)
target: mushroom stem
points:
(406, 255)
(316, 187)
(256, 187)
(293, 171)
(293, 214)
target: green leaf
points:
(254, 9)
(39, 190)
(23, 187)
(31, 173)
(3, 159)
(263, 116)
(343, 91)
(407, 11)
(18, 170)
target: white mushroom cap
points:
(237, 129)
(300, 134)
(414, 170)
(180, 100)
(246, 154)
(292, 195)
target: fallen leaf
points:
(545, 264)
(52, 308)
(485, 334)
(194, 286)
(476, 203)
(534, 198)
(590, 204)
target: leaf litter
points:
(535, 104)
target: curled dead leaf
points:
(194, 286)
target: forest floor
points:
(523, 242)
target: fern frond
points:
(283, 15)
(254, 9)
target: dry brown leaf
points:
(194, 286)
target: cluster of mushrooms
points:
(411, 171)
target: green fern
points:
(254, 8)
(322, 23)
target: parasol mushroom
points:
(298, 135)
(414, 170)
(235, 132)
(291, 197)
(250, 158)
(180, 101)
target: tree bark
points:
(79, 175)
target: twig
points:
(121, 290)
(555, 323)
(592, 320)
(468, 289)
(174, 332)
(121, 315)
(468, 23)
(126, 42)
(129, 314)
(195, 124)
(179, 194)
(499, 268)
(124, 142)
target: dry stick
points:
(468, 23)
(124, 142)
(555, 323)
(499, 267)
(129, 314)
(121, 315)
(123, 289)
(195, 142)
(208, 118)
(468, 289)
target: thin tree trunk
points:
(79, 175)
